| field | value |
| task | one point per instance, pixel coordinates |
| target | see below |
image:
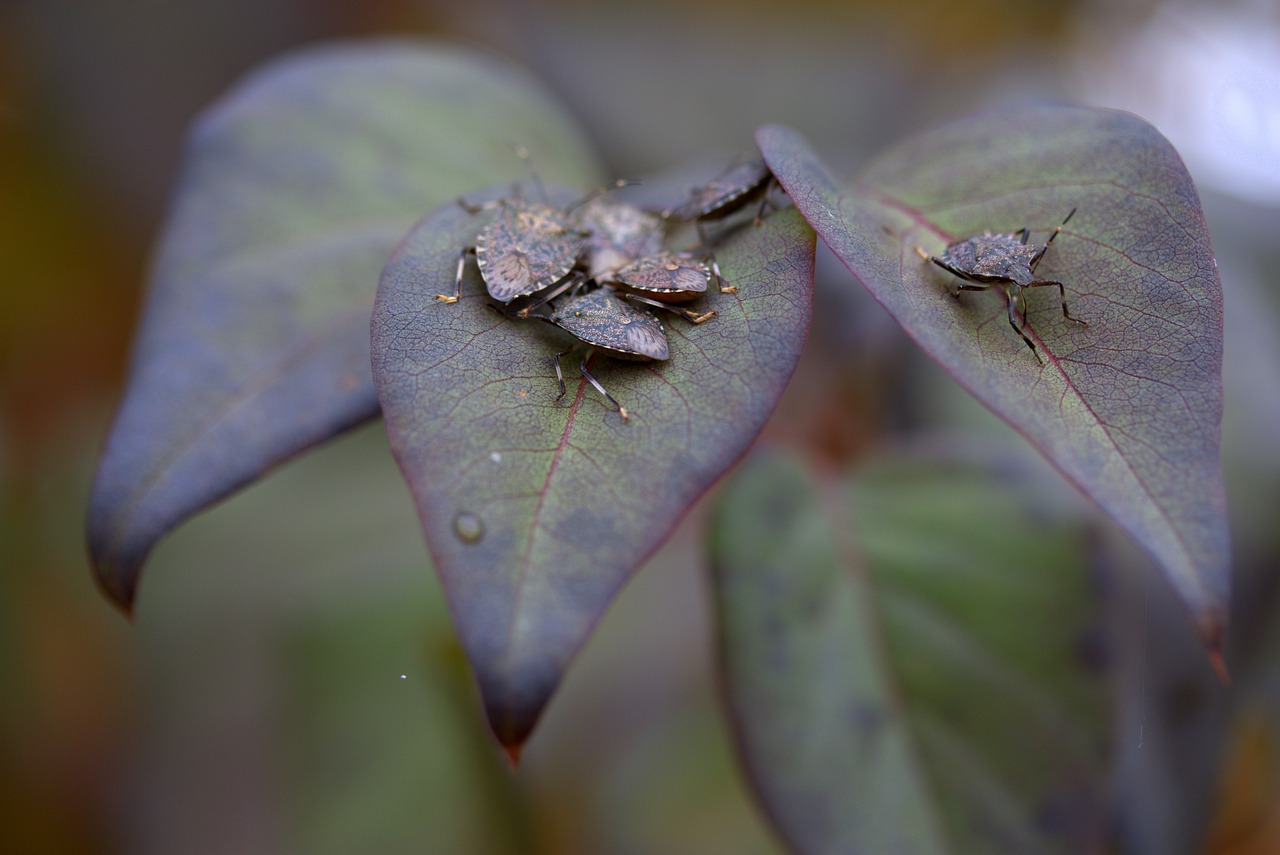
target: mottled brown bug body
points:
(729, 191)
(666, 276)
(619, 234)
(527, 247)
(1006, 260)
(990, 258)
(603, 320)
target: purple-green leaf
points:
(535, 510)
(297, 185)
(1127, 408)
(903, 676)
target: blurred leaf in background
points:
(915, 656)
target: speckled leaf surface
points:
(1129, 408)
(536, 510)
(902, 676)
(296, 188)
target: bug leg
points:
(622, 411)
(570, 282)
(559, 373)
(1062, 297)
(457, 276)
(1023, 234)
(956, 272)
(701, 228)
(688, 314)
(720, 283)
(963, 287)
(765, 202)
(1014, 299)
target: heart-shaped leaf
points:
(902, 677)
(1128, 408)
(535, 509)
(297, 187)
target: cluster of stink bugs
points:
(598, 267)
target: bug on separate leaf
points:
(1006, 260)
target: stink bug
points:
(604, 322)
(528, 246)
(989, 260)
(729, 191)
(666, 277)
(619, 234)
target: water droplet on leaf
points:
(468, 527)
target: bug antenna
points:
(523, 154)
(1035, 261)
(600, 191)
(1065, 220)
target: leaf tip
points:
(1212, 631)
(1219, 666)
(119, 587)
(115, 574)
(513, 708)
(512, 735)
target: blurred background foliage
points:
(291, 682)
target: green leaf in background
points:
(298, 184)
(536, 510)
(911, 658)
(1129, 408)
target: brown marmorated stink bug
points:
(604, 319)
(729, 191)
(665, 277)
(619, 234)
(527, 246)
(1005, 260)
(604, 322)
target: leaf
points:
(1128, 408)
(903, 677)
(535, 510)
(297, 186)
